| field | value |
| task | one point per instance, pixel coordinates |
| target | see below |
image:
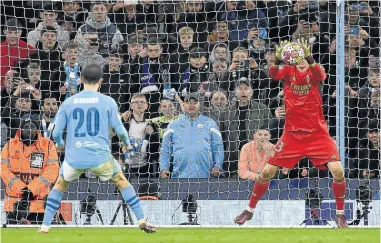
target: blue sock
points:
(52, 204)
(130, 197)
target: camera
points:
(364, 194)
(189, 204)
(313, 198)
(243, 65)
(363, 199)
(88, 206)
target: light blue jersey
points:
(88, 116)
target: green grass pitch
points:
(128, 235)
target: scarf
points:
(47, 129)
(185, 85)
(72, 77)
(147, 78)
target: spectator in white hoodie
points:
(48, 16)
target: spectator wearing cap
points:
(365, 163)
(255, 154)
(192, 143)
(116, 81)
(244, 116)
(195, 74)
(12, 49)
(48, 16)
(29, 167)
(108, 34)
(72, 16)
(149, 74)
(128, 17)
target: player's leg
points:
(67, 174)
(339, 188)
(287, 154)
(259, 189)
(322, 151)
(110, 169)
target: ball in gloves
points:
(292, 53)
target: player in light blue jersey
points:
(88, 117)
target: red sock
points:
(339, 191)
(258, 191)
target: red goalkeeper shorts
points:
(293, 146)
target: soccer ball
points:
(292, 54)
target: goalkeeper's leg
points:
(130, 197)
(338, 187)
(260, 188)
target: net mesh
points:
(154, 54)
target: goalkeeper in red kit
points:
(305, 131)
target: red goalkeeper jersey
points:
(302, 98)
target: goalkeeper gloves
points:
(307, 51)
(306, 47)
(279, 49)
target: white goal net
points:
(163, 63)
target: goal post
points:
(163, 63)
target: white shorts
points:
(105, 171)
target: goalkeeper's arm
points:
(275, 72)
(319, 74)
(318, 71)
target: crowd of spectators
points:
(191, 78)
